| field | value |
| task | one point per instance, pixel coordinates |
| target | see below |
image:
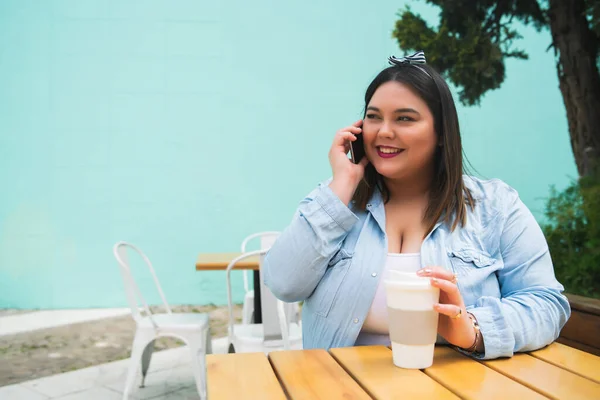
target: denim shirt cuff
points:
(335, 208)
(495, 333)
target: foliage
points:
(573, 235)
(475, 37)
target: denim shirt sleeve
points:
(531, 311)
(297, 261)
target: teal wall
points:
(183, 126)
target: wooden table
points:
(220, 261)
(367, 372)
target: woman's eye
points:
(371, 116)
(405, 119)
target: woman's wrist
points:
(477, 344)
(343, 188)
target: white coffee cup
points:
(403, 262)
(412, 320)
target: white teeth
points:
(388, 150)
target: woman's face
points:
(398, 130)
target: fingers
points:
(348, 133)
(346, 147)
(449, 310)
(446, 286)
(352, 128)
(451, 291)
(343, 137)
(438, 272)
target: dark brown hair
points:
(449, 197)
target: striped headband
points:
(414, 60)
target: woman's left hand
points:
(454, 324)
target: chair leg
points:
(140, 341)
(247, 311)
(208, 342)
(146, 357)
(199, 366)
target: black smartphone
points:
(357, 149)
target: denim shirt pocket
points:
(329, 286)
(476, 271)
(466, 258)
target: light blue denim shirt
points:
(332, 255)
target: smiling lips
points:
(388, 152)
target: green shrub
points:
(573, 234)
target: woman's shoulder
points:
(491, 194)
(487, 187)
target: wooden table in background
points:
(220, 261)
(367, 372)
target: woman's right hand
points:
(346, 174)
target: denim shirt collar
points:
(376, 207)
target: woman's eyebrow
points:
(399, 110)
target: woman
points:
(474, 238)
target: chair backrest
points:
(282, 315)
(228, 279)
(267, 239)
(134, 295)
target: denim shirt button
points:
(374, 274)
(356, 320)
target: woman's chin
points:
(387, 172)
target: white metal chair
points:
(192, 328)
(246, 338)
(266, 240)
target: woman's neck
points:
(408, 190)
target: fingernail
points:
(424, 272)
(434, 280)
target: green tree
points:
(573, 235)
(475, 37)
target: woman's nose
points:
(385, 131)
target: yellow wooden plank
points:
(577, 361)
(314, 375)
(220, 261)
(548, 379)
(578, 345)
(242, 376)
(471, 380)
(372, 367)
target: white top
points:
(375, 328)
